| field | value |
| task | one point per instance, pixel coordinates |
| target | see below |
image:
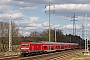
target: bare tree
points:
(4, 34)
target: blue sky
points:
(29, 15)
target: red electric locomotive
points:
(28, 48)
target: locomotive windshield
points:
(25, 44)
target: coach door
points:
(62, 47)
(45, 47)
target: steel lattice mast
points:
(10, 35)
(86, 35)
(74, 24)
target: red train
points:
(28, 48)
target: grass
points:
(80, 57)
(14, 48)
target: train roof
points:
(41, 42)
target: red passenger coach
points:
(68, 45)
(62, 46)
(76, 45)
(51, 46)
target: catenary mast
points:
(10, 35)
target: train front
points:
(25, 48)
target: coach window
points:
(58, 46)
(45, 46)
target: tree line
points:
(34, 36)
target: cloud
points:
(28, 8)
(62, 8)
(68, 9)
(56, 26)
(5, 8)
(55, 1)
(14, 15)
(29, 28)
(70, 26)
(88, 25)
(25, 33)
(27, 21)
(33, 19)
(33, 4)
(46, 24)
(5, 1)
(72, 6)
(35, 25)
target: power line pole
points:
(10, 35)
(82, 31)
(74, 25)
(55, 36)
(49, 20)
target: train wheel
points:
(45, 52)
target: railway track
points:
(9, 57)
(61, 55)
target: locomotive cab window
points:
(25, 44)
